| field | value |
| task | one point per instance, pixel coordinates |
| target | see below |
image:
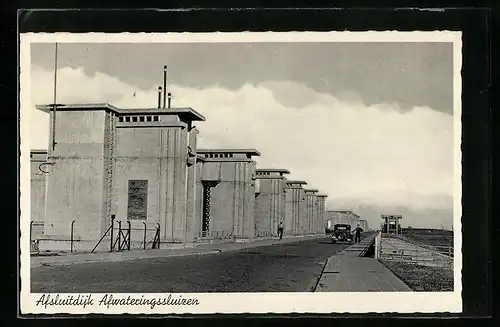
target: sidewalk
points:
(209, 248)
(350, 272)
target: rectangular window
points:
(141, 119)
(134, 119)
(127, 119)
(155, 118)
(120, 119)
(148, 118)
(137, 200)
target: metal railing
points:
(447, 250)
(123, 240)
(34, 243)
(414, 254)
(216, 235)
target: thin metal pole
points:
(158, 232)
(72, 228)
(164, 85)
(144, 235)
(55, 102)
(112, 232)
(129, 232)
(159, 97)
(119, 235)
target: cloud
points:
(349, 150)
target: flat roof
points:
(341, 211)
(252, 152)
(296, 182)
(311, 190)
(273, 170)
(322, 195)
(186, 113)
(38, 151)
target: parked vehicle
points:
(342, 234)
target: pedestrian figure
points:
(280, 230)
(357, 237)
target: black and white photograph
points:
(241, 172)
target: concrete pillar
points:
(295, 204)
(321, 221)
(270, 202)
(77, 179)
(230, 172)
(311, 210)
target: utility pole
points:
(54, 102)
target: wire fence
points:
(396, 248)
(216, 235)
(78, 235)
(36, 232)
(264, 234)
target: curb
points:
(70, 263)
(215, 251)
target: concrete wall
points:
(270, 204)
(295, 207)
(321, 216)
(157, 154)
(338, 217)
(38, 185)
(311, 212)
(364, 225)
(194, 192)
(232, 199)
(354, 220)
(76, 180)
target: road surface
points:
(290, 267)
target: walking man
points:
(357, 237)
(280, 230)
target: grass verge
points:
(422, 278)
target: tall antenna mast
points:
(55, 103)
(164, 85)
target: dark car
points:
(342, 234)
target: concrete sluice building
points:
(321, 215)
(270, 207)
(226, 194)
(136, 176)
(295, 208)
(311, 211)
(130, 163)
(363, 224)
(342, 217)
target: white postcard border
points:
(412, 302)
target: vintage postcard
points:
(241, 172)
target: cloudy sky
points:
(370, 124)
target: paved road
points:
(292, 267)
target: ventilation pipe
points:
(159, 97)
(164, 84)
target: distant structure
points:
(311, 211)
(295, 198)
(391, 224)
(363, 224)
(321, 215)
(270, 206)
(348, 217)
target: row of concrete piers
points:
(142, 166)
